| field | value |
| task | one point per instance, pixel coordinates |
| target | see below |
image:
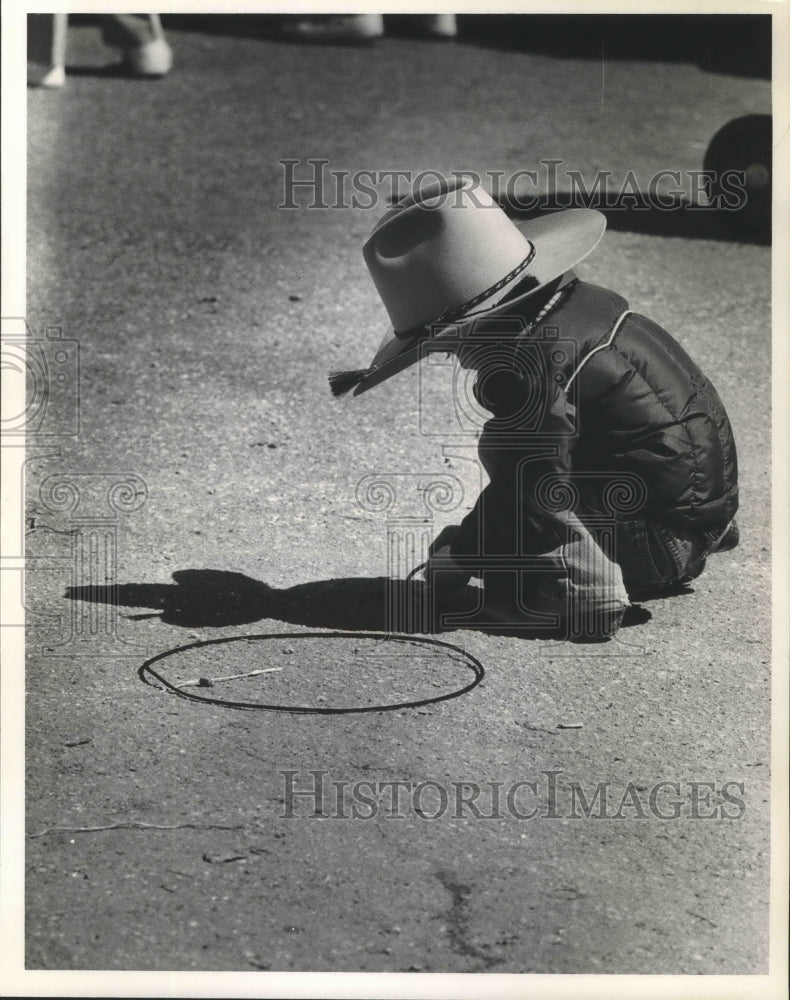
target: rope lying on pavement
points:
(455, 653)
(133, 825)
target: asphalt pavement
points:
(214, 489)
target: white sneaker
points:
(437, 25)
(336, 28)
(154, 58)
(54, 78)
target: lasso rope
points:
(465, 658)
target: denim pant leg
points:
(655, 558)
(124, 30)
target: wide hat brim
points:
(560, 240)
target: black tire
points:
(743, 145)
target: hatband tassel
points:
(342, 382)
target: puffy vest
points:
(633, 402)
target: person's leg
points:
(576, 584)
(46, 49)
(657, 559)
(142, 41)
(552, 577)
(438, 25)
(333, 28)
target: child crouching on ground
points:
(612, 465)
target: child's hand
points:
(442, 572)
(444, 539)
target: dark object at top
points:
(743, 145)
(735, 44)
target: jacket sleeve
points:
(519, 449)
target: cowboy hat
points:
(447, 256)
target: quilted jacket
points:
(595, 395)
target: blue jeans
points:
(656, 558)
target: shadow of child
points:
(218, 598)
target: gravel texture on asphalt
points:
(207, 320)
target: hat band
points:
(454, 313)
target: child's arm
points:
(441, 570)
(511, 515)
